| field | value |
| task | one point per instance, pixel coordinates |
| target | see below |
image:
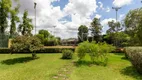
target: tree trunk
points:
(34, 55)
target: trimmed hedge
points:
(135, 56)
(4, 50)
(52, 50)
(43, 50)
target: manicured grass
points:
(118, 68)
(21, 67)
(51, 67)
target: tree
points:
(83, 33)
(14, 19)
(26, 44)
(47, 39)
(133, 25)
(45, 33)
(26, 27)
(113, 31)
(96, 29)
(5, 6)
(122, 38)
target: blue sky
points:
(106, 3)
(68, 15)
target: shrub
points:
(135, 56)
(97, 51)
(4, 50)
(82, 49)
(26, 44)
(67, 54)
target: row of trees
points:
(8, 12)
(95, 31)
(127, 33)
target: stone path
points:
(64, 72)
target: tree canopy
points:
(83, 33)
(5, 6)
(96, 28)
(26, 26)
(133, 24)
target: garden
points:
(115, 55)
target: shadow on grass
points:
(88, 63)
(124, 58)
(119, 54)
(131, 71)
(17, 60)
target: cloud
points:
(107, 9)
(98, 16)
(122, 16)
(101, 5)
(49, 15)
(104, 23)
(120, 3)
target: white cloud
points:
(101, 5)
(107, 9)
(98, 16)
(104, 23)
(49, 15)
(120, 3)
(122, 16)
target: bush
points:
(82, 50)
(26, 44)
(97, 51)
(135, 56)
(67, 54)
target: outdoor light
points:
(116, 9)
(35, 4)
(54, 30)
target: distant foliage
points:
(135, 56)
(97, 51)
(82, 33)
(48, 39)
(67, 54)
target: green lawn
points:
(51, 67)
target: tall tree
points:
(96, 29)
(14, 19)
(83, 33)
(26, 26)
(113, 31)
(133, 24)
(5, 6)
(114, 27)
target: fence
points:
(4, 40)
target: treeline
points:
(126, 33)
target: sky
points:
(63, 17)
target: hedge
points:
(4, 50)
(135, 56)
(43, 50)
